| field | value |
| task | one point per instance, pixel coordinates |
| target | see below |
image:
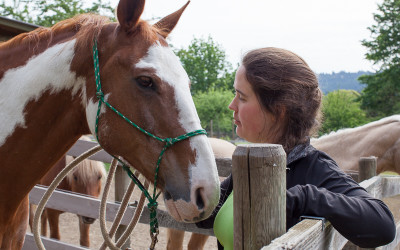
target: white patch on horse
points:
(170, 70)
(91, 113)
(49, 70)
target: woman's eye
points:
(145, 81)
(239, 96)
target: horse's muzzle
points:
(87, 220)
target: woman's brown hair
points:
(287, 88)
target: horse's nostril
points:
(88, 220)
(167, 196)
(199, 198)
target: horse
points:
(85, 179)
(379, 138)
(120, 82)
(221, 149)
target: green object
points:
(223, 224)
(152, 205)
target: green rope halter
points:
(152, 205)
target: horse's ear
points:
(128, 13)
(167, 24)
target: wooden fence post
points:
(366, 168)
(122, 181)
(259, 197)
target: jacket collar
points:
(299, 151)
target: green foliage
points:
(206, 64)
(47, 13)
(384, 48)
(341, 109)
(381, 96)
(213, 105)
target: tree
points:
(341, 109)
(213, 106)
(382, 94)
(206, 64)
(47, 13)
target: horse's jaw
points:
(196, 200)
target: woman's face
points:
(254, 123)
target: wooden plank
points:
(82, 146)
(308, 234)
(394, 205)
(390, 185)
(373, 186)
(88, 206)
(50, 244)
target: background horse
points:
(379, 138)
(221, 149)
(85, 179)
(49, 97)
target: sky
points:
(326, 33)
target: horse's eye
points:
(145, 81)
(75, 177)
(98, 178)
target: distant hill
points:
(341, 80)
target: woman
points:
(278, 101)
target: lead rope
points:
(152, 205)
(107, 237)
(70, 167)
(52, 187)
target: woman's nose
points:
(232, 105)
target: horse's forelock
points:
(87, 171)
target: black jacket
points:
(317, 187)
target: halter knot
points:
(169, 142)
(100, 94)
(152, 206)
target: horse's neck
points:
(346, 147)
(42, 112)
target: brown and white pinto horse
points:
(48, 100)
(85, 179)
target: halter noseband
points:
(152, 205)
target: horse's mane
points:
(342, 132)
(85, 27)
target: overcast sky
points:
(326, 33)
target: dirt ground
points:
(140, 239)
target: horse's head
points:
(143, 79)
(86, 179)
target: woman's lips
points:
(237, 122)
